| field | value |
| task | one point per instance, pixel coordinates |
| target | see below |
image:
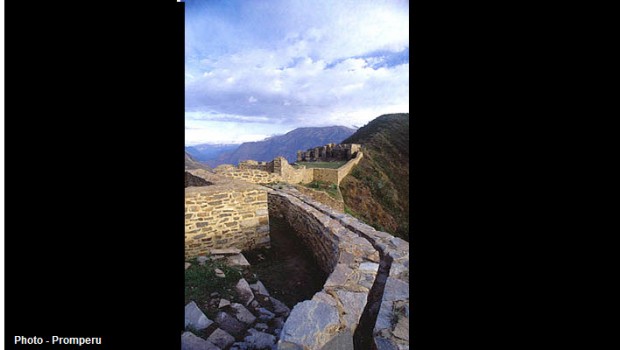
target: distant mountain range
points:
(208, 152)
(285, 145)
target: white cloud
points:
(302, 63)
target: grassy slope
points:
(377, 189)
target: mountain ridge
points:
(285, 145)
(377, 189)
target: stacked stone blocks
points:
(217, 217)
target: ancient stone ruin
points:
(364, 301)
(329, 153)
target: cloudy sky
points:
(254, 69)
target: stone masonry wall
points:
(250, 175)
(280, 170)
(225, 215)
(346, 168)
(290, 174)
(391, 328)
(350, 260)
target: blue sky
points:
(254, 68)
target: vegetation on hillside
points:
(377, 189)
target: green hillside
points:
(377, 189)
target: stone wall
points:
(346, 168)
(352, 264)
(248, 174)
(280, 170)
(227, 214)
(329, 152)
(291, 175)
(252, 164)
(391, 329)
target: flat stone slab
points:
(242, 314)
(311, 324)
(369, 266)
(225, 251)
(221, 338)
(237, 260)
(395, 290)
(353, 305)
(189, 341)
(195, 318)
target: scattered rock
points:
(259, 340)
(214, 295)
(187, 265)
(202, 259)
(219, 273)
(223, 303)
(265, 315)
(230, 324)
(239, 346)
(278, 322)
(243, 314)
(259, 288)
(261, 327)
(195, 318)
(189, 341)
(254, 304)
(244, 292)
(279, 308)
(221, 338)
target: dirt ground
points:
(288, 269)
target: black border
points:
(94, 140)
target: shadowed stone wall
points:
(351, 263)
(360, 250)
